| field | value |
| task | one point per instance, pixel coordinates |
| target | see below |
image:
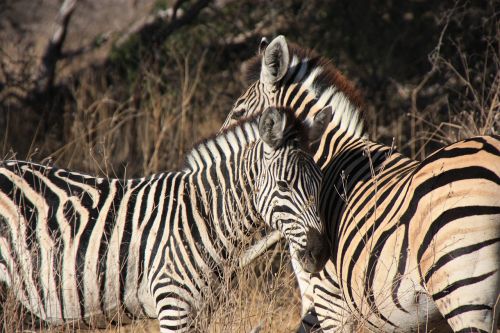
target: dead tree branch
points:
(53, 51)
(259, 248)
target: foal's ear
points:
(272, 125)
(318, 125)
(263, 45)
(275, 61)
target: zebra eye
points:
(283, 186)
(237, 114)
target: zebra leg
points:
(309, 321)
(173, 302)
(174, 314)
(331, 310)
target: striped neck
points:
(225, 167)
(227, 145)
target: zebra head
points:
(289, 76)
(272, 63)
(288, 184)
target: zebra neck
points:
(307, 95)
(336, 143)
(361, 169)
(342, 152)
(221, 195)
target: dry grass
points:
(263, 294)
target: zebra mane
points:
(241, 134)
(323, 78)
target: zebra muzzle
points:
(316, 253)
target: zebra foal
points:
(415, 245)
(76, 248)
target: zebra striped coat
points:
(79, 248)
(415, 245)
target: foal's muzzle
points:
(317, 252)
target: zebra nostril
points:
(315, 254)
(318, 252)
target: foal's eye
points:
(283, 186)
(237, 114)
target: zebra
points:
(415, 245)
(80, 249)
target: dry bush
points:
(462, 88)
(12, 315)
(262, 295)
(148, 132)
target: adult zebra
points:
(414, 244)
(78, 248)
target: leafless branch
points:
(53, 51)
(100, 41)
(259, 248)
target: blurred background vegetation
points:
(124, 87)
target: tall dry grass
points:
(262, 296)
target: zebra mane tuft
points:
(296, 131)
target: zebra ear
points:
(319, 124)
(272, 124)
(263, 45)
(275, 61)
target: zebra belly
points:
(337, 315)
(401, 303)
(413, 310)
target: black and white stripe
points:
(415, 245)
(76, 248)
